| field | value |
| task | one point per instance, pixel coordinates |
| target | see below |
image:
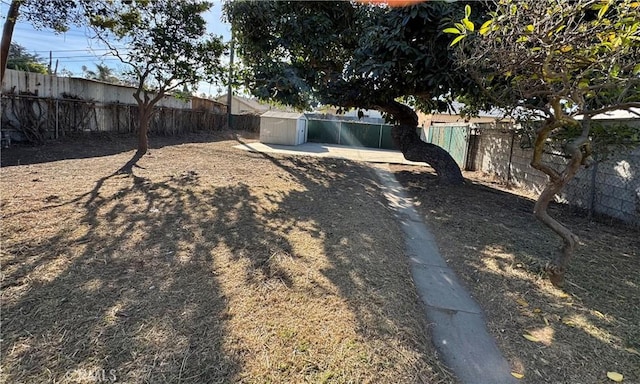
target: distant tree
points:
(351, 55)
(64, 72)
(102, 73)
(557, 60)
(21, 60)
(167, 48)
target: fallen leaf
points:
(537, 310)
(632, 350)
(530, 338)
(615, 376)
(517, 375)
(522, 302)
(599, 314)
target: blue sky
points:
(74, 48)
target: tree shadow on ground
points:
(136, 302)
(100, 144)
(343, 205)
(134, 281)
(494, 243)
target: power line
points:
(76, 50)
(82, 57)
(85, 61)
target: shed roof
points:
(283, 115)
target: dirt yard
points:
(209, 264)
(491, 239)
(206, 264)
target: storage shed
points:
(284, 128)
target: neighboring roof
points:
(283, 115)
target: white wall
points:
(53, 87)
(282, 130)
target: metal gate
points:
(452, 138)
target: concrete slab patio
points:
(459, 329)
(371, 155)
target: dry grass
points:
(207, 264)
(491, 239)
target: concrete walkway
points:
(459, 330)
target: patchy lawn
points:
(491, 239)
(207, 264)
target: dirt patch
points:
(206, 264)
(491, 239)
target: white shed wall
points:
(283, 130)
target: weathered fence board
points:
(37, 119)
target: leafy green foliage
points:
(583, 54)
(57, 14)
(346, 54)
(558, 59)
(167, 48)
(21, 60)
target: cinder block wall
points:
(612, 186)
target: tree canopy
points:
(345, 54)
(352, 55)
(581, 55)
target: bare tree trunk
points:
(7, 35)
(144, 117)
(414, 149)
(557, 181)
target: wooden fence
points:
(37, 119)
(249, 123)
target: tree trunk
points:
(7, 35)
(558, 267)
(413, 148)
(557, 181)
(144, 120)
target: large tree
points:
(563, 61)
(352, 55)
(166, 48)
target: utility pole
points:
(229, 87)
